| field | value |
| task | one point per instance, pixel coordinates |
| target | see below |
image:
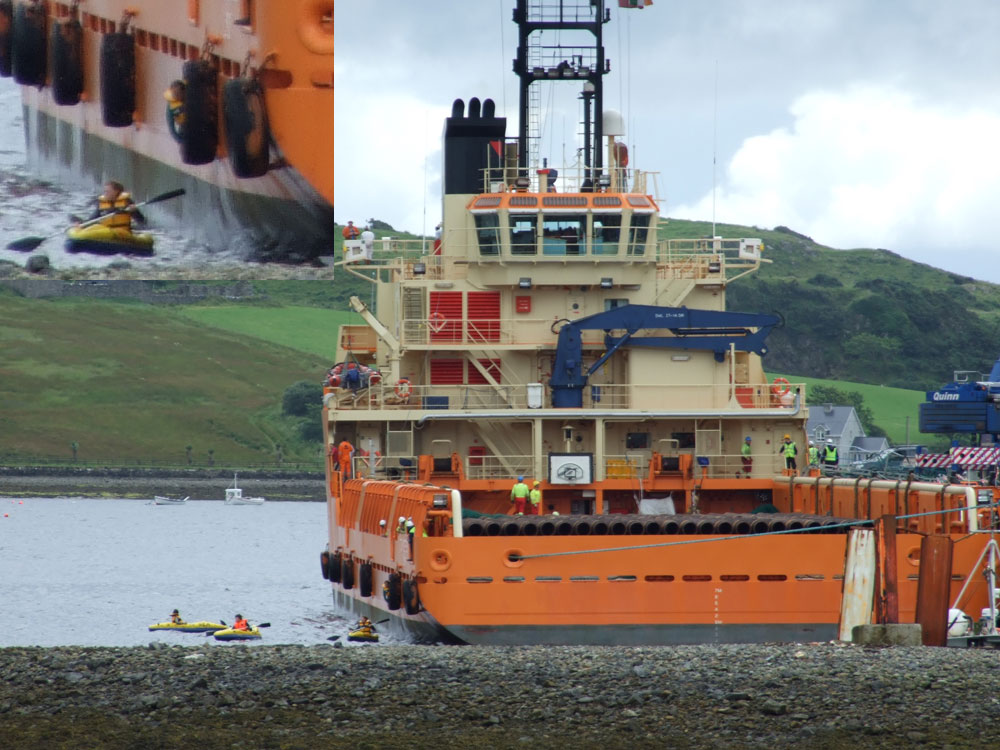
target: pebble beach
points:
(827, 695)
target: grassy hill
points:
(132, 382)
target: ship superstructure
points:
(551, 336)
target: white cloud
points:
(873, 166)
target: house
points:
(842, 425)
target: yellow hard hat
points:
(536, 483)
(788, 437)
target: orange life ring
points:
(403, 389)
(780, 386)
(378, 457)
(436, 322)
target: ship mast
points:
(536, 63)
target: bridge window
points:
(523, 234)
(606, 234)
(638, 230)
(564, 234)
(488, 233)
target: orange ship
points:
(249, 135)
(553, 431)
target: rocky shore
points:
(198, 484)
(256, 696)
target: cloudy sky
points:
(862, 123)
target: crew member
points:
(535, 497)
(790, 451)
(411, 529)
(813, 454)
(368, 243)
(519, 496)
(241, 623)
(345, 452)
(766, 506)
(552, 510)
(745, 456)
(830, 456)
(351, 232)
(118, 206)
(175, 618)
(383, 529)
(175, 108)
(401, 526)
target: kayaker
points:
(175, 618)
(118, 207)
(241, 624)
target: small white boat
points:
(161, 500)
(234, 496)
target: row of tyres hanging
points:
(25, 53)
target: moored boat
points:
(553, 353)
(235, 496)
(251, 137)
(163, 500)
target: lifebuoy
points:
(117, 79)
(411, 597)
(365, 579)
(333, 572)
(29, 48)
(436, 321)
(6, 37)
(378, 458)
(66, 46)
(347, 573)
(780, 386)
(200, 135)
(324, 564)
(403, 389)
(248, 138)
(392, 591)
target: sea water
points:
(94, 572)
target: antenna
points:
(715, 127)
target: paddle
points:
(30, 243)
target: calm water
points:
(98, 572)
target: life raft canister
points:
(200, 135)
(248, 136)
(365, 579)
(28, 61)
(6, 37)
(66, 49)
(117, 79)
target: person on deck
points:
(241, 623)
(746, 455)
(830, 456)
(175, 618)
(345, 454)
(813, 455)
(351, 232)
(519, 496)
(790, 451)
(535, 498)
(383, 529)
(765, 506)
(118, 206)
(552, 510)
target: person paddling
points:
(118, 206)
(175, 618)
(241, 623)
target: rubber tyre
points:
(365, 579)
(411, 598)
(117, 79)
(200, 135)
(29, 47)
(394, 596)
(324, 564)
(66, 53)
(347, 573)
(6, 38)
(248, 136)
(333, 571)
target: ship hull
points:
(281, 219)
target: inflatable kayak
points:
(363, 634)
(189, 627)
(237, 635)
(102, 240)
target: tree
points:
(302, 399)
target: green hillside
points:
(132, 382)
(862, 315)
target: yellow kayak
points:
(363, 634)
(103, 240)
(201, 626)
(229, 634)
